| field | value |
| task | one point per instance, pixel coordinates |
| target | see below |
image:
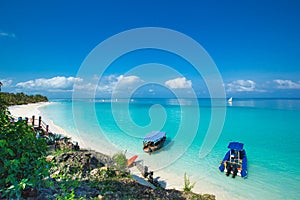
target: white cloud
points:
(242, 86)
(84, 86)
(179, 83)
(118, 83)
(52, 84)
(126, 81)
(286, 84)
(6, 82)
(4, 34)
(109, 84)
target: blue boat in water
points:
(154, 141)
(235, 161)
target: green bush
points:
(22, 161)
(120, 160)
(188, 186)
(21, 98)
(52, 138)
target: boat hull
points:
(152, 148)
(242, 171)
(131, 160)
(237, 165)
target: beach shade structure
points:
(154, 136)
(154, 141)
(235, 160)
(236, 146)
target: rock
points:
(65, 156)
(95, 173)
(94, 161)
(117, 173)
(209, 196)
(88, 155)
(50, 158)
(64, 144)
(55, 173)
(105, 168)
(84, 166)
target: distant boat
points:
(235, 160)
(230, 100)
(154, 141)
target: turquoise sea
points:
(269, 129)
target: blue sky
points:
(255, 45)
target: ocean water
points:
(269, 129)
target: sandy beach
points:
(33, 109)
(169, 180)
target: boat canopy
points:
(236, 146)
(154, 136)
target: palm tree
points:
(0, 85)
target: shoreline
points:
(171, 180)
(28, 110)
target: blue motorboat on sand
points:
(235, 161)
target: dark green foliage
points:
(3, 104)
(22, 161)
(52, 138)
(20, 98)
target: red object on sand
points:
(131, 160)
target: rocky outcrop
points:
(78, 173)
(92, 175)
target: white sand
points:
(33, 109)
(27, 110)
(170, 180)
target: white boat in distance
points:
(230, 100)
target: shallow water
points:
(269, 129)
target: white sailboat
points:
(230, 100)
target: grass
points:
(188, 186)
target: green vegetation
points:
(69, 196)
(52, 138)
(188, 186)
(120, 160)
(22, 161)
(3, 104)
(10, 99)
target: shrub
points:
(120, 160)
(52, 138)
(22, 165)
(21, 98)
(188, 186)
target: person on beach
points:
(151, 177)
(76, 146)
(146, 173)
